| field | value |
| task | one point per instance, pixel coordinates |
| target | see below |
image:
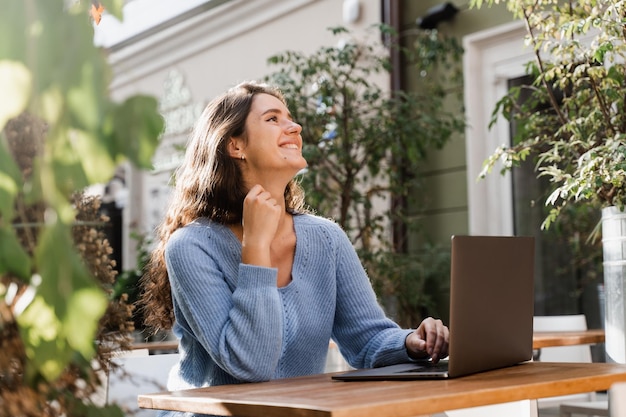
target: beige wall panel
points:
(451, 156)
(441, 226)
(446, 182)
(446, 191)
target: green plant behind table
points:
(364, 144)
(418, 281)
(60, 132)
(574, 230)
(578, 140)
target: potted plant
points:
(573, 123)
(364, 145)
(59, 133)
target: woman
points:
(254, 286)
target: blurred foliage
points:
(127, 283)
(418, 282)
(364, 144)
(60, 132)
(577, 229)
(573, 122)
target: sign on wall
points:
(180, 113)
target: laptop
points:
(491, 311)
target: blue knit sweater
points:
(235, 325)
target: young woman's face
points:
(274, 143)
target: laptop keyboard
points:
(428, 366)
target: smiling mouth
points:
(290, 146)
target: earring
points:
(243, 157)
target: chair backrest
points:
(573, 322)
(136, 375)
(578, 353)
(522, 408)
(566, 323)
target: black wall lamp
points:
(437, 14)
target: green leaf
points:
(40, 329)
(60, 266)
(10, 177)
(95, 159)
(13, 258)
(76, 299)
(84, 101)
(84, 310)
(51, 104)
(113, 7)
(64, 315)
(67, 163)
(136, 129)
(602, 50)
(12, 30)
(15, 84)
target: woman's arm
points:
(232, 309)
(366, 337)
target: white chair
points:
(138, 375)
(334, 360)
(525, 408)
(598, 408)
(99, 397)
(522, 408)
(586, 404)
(617, 399)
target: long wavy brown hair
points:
(208, 184)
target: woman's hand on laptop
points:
(430, 339)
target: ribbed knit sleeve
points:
(365, 336)
(233, 310)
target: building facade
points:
(188, 51)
